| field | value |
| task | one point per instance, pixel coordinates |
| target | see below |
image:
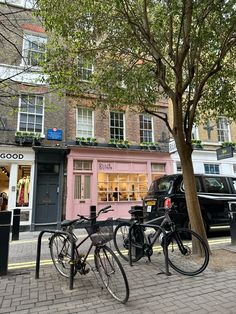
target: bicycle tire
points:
(186, 262)
(121, 241)
(111, 273)
(60, 251)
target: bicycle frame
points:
(161, 230)
(165, 219)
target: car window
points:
(234, 184)
(163, 185)
(216, 185)
(198, 185)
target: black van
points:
(214, 193)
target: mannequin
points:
(23, 191)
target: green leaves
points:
(143, 51)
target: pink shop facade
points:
(118, 177)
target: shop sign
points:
(225, 152)
(54, 134)
(105, 166)
(11, 156)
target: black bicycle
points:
(106, 262)
(180, 243)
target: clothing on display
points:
(23, 187)
(3, 201)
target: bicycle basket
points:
(101, 233)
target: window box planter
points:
(28, 138)
(196, 144)
(119, 143)
(89, 141)
(150, 146)
(227, 144)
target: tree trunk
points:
(194, 211)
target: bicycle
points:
(179, 241)
(106, 262)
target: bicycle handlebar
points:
(103, 210)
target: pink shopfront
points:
(101, 177)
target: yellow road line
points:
(32, 264)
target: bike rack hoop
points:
(164, 237)
(72, 240)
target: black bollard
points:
(5, 224)
(16, 224)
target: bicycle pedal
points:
(84, 271)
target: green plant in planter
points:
(149, 145)
(196, 143)
(226, 144)
(119, 143)
(86, 141)
(24, 137)
(25, 134)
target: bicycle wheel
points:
(112, 273)
(60, 250)
(181, 253)
(121, 241)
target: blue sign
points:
(54, 134)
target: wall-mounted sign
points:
(105, 166)
(224, 152)
(11, 156)
(54, 134)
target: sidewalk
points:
(150, 292)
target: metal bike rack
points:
(72, 253)
(167, 272)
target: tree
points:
(145, 50)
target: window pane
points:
(223, 130)
(117, 125)
(34, 49)
(84, 122)
(23, 186)
(87, 187)
(82, 165)
(121, 187)
(212, 169)
(145, 125)
(30, 119)
(77, 192)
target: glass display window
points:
(121, 187)
(23, 186)
(4, 186)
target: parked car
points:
(214, 193)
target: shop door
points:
(47, 198)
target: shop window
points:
(121, 187)
(158, 170)
(146, 130)
(34, 49)
(84, 122)
(31, 113)
(23, 186)
(4, 184)
(212, 169)
(223, 130)
(117, 125)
